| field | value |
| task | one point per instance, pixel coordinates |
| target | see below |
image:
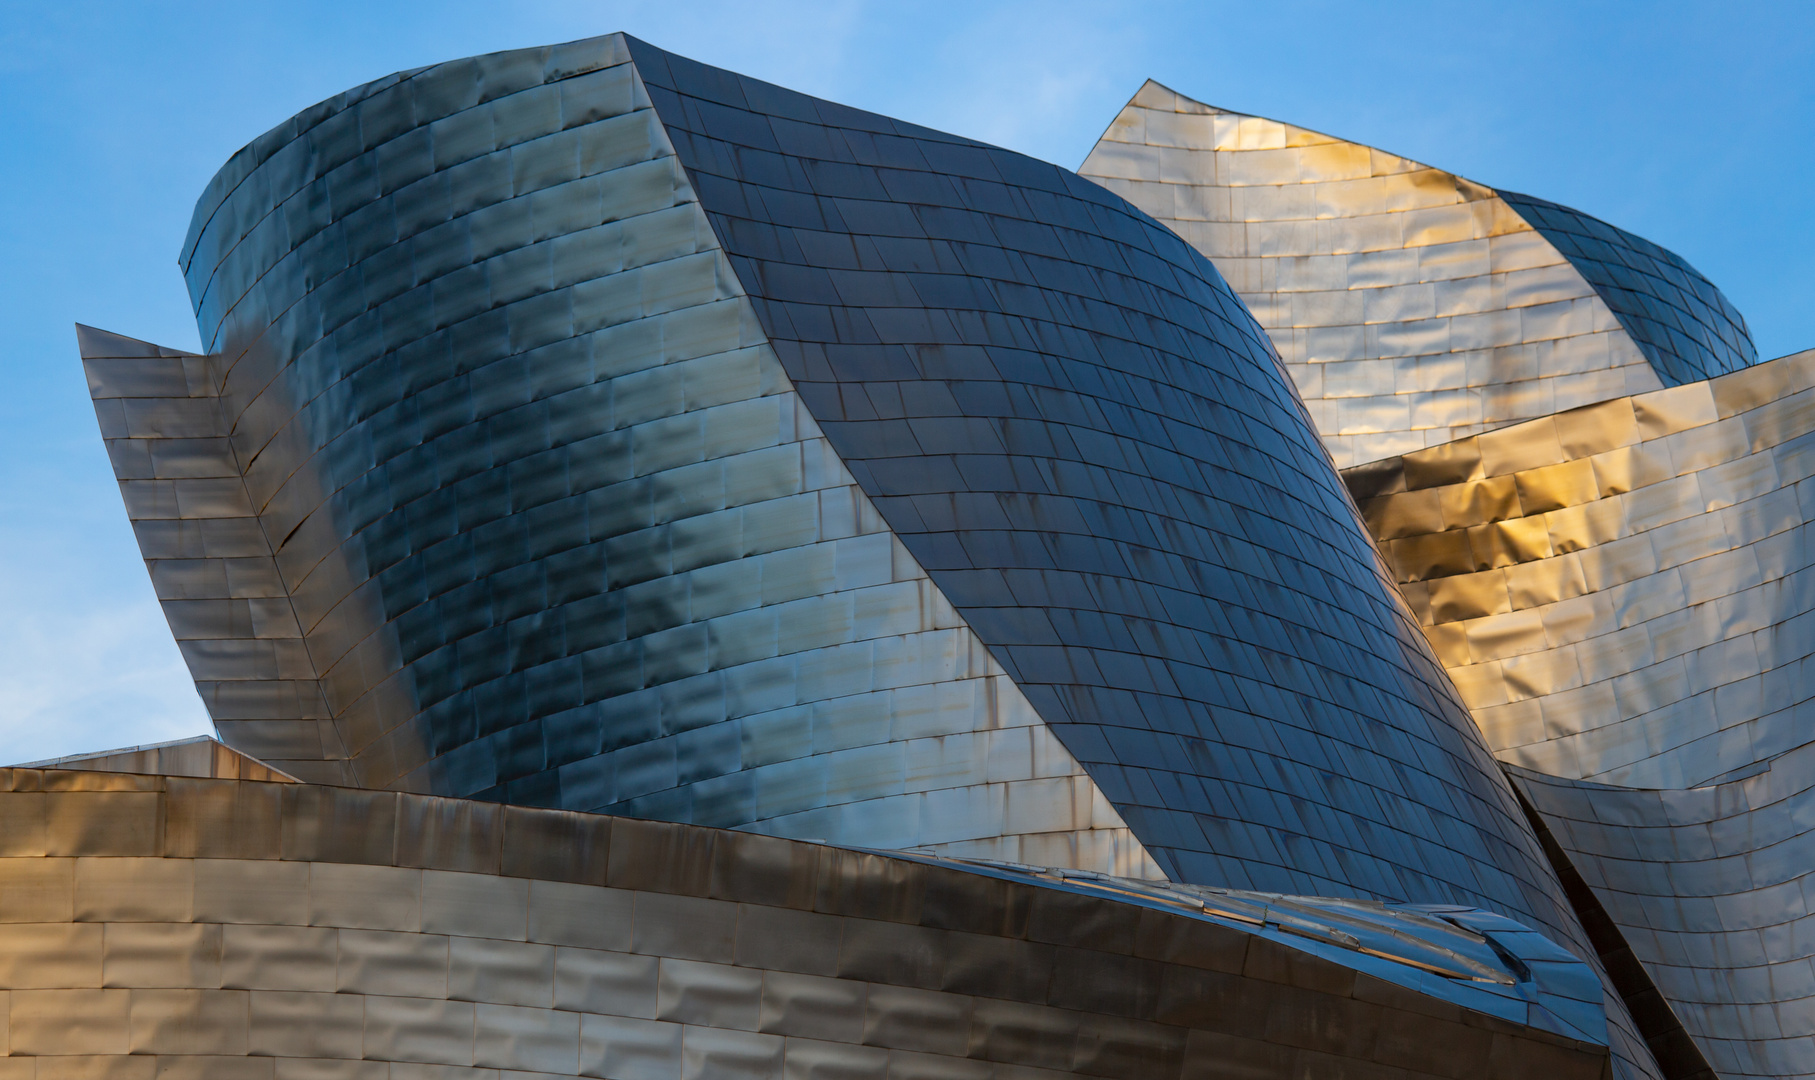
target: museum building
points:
(693, 580)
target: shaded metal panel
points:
(1621, 592)
(1686, 327)
(680, 951)
(455, 309)
(200, 756)
(1708, 887)
(207, 551)
(571, 539)
(1070, 421)
(1414, 307)
(1671, 1045)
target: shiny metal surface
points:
(1414, 307)
(199, 756)
(676, 952)
(629, 435)
(1622, 593)
(677, 603)
(500, 531)
(207, 549)
(1709, 887)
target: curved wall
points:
(1683, 324)
(1710, 887)
(1622, 593)
(1414, 307)
(1065, 415)
(582, 546)
(1057, 408)
(624, 434)
(170, 927)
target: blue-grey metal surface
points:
(1071, 422)
(1711, 888)
(1685, 326)
(615, 567)
(461, 315)
(1474, 958)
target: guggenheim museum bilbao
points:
(696, 581)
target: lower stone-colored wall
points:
(164, 927)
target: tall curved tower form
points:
(599, 461)
(634, 437)
(1414, 307)
(1595, 501)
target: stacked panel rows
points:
(1711, 888)
(202, 540)
(561, 529)
(1068, 419)
(1622, 593)
(1686, 327)
(1412, 307)
(160, 927)
(583, 547)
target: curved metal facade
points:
(182, 927)
(1709, 887)
(1684, 325)
(1414, 307)
(1622, 593)
(501, 447)
(1062, 413)
(587, 428)
(579, 544)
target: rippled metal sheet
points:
(1414, 307)
(612, 565)
(681, 952)
(632, 435)
(207, 551)
(1684, 325)
(1623, 592)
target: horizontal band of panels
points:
(1621, 591)
(1413, 307)
(658, 950)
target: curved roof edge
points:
(1683, 324)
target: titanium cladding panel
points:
(198, 928)
(1064, 415)
(583, 546)
(616, 433)
(1414, 307)
(1622, 593)
(469, 318)
(1710, 887)
(471, 325)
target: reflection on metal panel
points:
(199, 756)
(333, 932)
(1411, 306)
(1622, 592)
(1493, 964)
(1710, 886)
(636, 436)
(1682, 323)
(207, 550)
(603, 559)
(1066, 416)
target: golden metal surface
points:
(709, 953)
(1413, 308)
(1648, 551)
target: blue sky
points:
(1686, 123)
